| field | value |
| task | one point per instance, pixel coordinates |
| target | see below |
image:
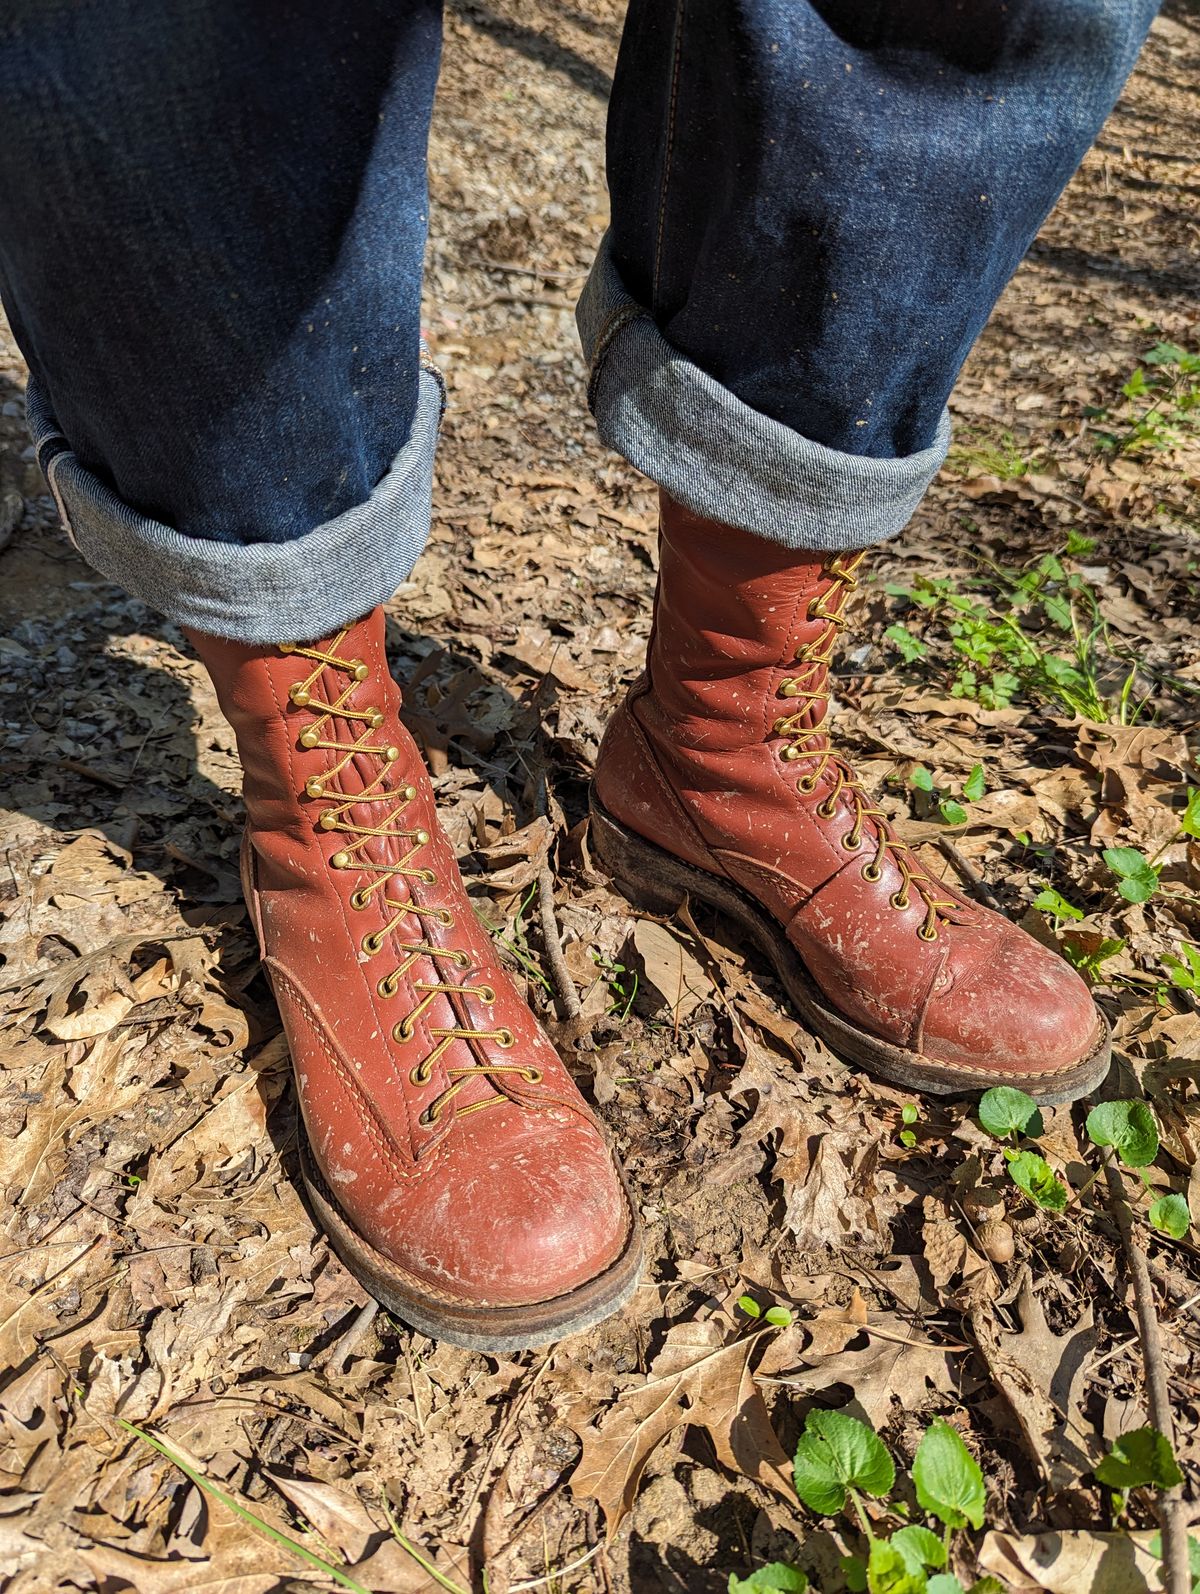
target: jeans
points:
(212, 224)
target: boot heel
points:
(633, 865)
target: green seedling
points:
(1184, 972)
(1034, 1177)
(909, 647)
(777, 1578)
(1190, 822)
(910, 1113)
(951, 811)
(1086, 953)
(1161, 408)
(1137, 878)
(1050, 901)
(777, 1316)
(1007, 1112)
(622, 983)
(1142, 1459)
(1127, 1127)
(1171, 1215)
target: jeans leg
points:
(212, 228)
(815, 205)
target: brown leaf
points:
(834, 1328)
(695, 1379)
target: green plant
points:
(950, 810)
(777, 1316)
(1136, 876)
(1049, 901)
(1162, 405)
(1037, 631)
(1184, 972)
(910, 1114)
(1138, 1460)
(839, 1463)
(622, 983)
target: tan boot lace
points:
(809, 741)
(338, 817)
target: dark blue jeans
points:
(212, 223)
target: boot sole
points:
(441, 1317)
(653, 878)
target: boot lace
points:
(805, 738)
(360, 724)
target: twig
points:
(555, 301)
(564, 985)
(968, 872)
(1176, 1573)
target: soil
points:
(157, 1262)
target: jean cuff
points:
(720, 458)
(253, 591)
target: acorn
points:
(996, 1239)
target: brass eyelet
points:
(462, 960)
(403, 1031)
(932, 936)
(899, 900)
(391, 754)
(428, 876)
(421, 838)
(372, 943)
(790, 754)
(359, 900)
(428, 1118)
(387, 987)
(310, 738)
(375, 718)
(407, 793)
(851, 842)
(328, 819)
(825, 811)
(314, 786)
(286, 647)
(444, 916)
(871, 873)
(299, 694)
(532, 1076)
(505, 1039)
(806, 786)
(487, 994)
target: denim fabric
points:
(212, 221)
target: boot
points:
(717, 778)
(449, 1156)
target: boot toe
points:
(1021, 1010)
(526, 1211)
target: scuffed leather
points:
(690, 762)
(510, 1204)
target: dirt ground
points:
(157, 1263)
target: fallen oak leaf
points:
(694, 1380)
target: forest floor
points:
(1018, 683)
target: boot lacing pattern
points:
(811, 684)
(320, 735)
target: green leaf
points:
(1170, 1214)
(855, 1574)
(778, 1316)
(778, 1576)
(944, 1583)
(1049, 901)
(1005, 1111)
(1190, 823)
(1137, 876)
(1034, 1175)
(1184, 972)
(983, 1585)
(836, 1452)
(953, 813)
(975, 785)
(922, 779)
(1127, 1126)
(1139, 1459)
(910, 1112)
(889, 1573)
(747, 1304)
(947, 1478)
(908, 646)
(919, 1547)
(908, 1137)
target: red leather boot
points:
(451, 1159)
(717, 778)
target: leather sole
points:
(442, 1317)
(479, 1328)
(651, 877)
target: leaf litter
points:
(157, 1265)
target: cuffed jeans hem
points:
(253, 592)
(720, 458)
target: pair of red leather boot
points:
(450, 1156)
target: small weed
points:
(622, 983)
(1037, 632)
(910, 1114)
(1161, 408)
(1184, 972)
(976, 454)
(949, 809)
